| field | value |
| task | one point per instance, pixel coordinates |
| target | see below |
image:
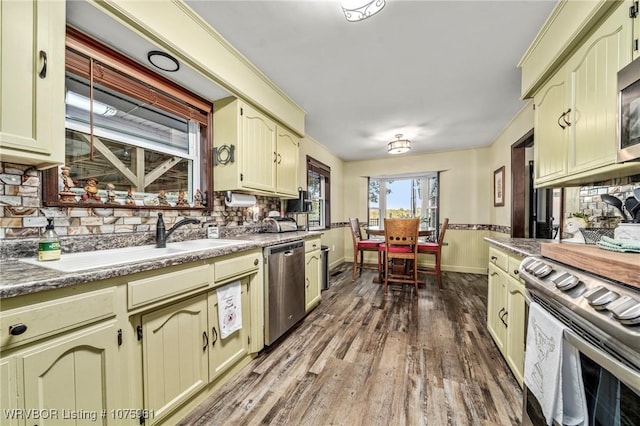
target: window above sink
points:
(144, 139)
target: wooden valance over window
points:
(80, 47)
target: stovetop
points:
(591, 301)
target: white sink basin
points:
(74, 262)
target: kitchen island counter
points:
(20, 278)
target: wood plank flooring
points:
(361, 358)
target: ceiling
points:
(442, 73)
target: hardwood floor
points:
(362, 359)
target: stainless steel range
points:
(603, 318)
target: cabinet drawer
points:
(236, 266)
(311, 245)
(514, 265)
(498, 258)
(47, 318)
(155, 288)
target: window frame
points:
(179, 101)
(424, 205)
(324, 171)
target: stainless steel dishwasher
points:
(285, 295)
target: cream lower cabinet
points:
(175, 348)
(506, 310)
(73, 375)
(32, 82)
(183, 351)
(224, 352)
(576, 109)
(312, 274)
(61, 357)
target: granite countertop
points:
(519, 246)
(20, 278)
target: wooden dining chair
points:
(360, 245)
(435, 249)
(401, 243)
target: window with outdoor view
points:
(318, 178)
(404, 197)
(132, 137)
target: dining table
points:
(377, 232)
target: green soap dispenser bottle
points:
(49, 244)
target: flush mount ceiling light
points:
(163, 61)
(82, 102)
(358, 10)
(399, 146)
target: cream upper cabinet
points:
(288, 148)
(551, 131)
(576, 108)
(592, 72)
(252, 152)
(32, 43)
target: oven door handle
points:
(625, 374)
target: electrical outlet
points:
(213, 232)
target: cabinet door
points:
(174, 345)
(8, 391)
(515, 319)
(551, 132)
(74, 373)
(32, 100)
(259, 154)
(496, 305)
(592, 72)
(224, 353)
(287, 163)
(312, 279)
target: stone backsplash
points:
(23, 216)
(602, 215)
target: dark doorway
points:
(534, 212)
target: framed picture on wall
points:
(498, 187)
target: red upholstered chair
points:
(436, 250)
(401, 243)
(360, 246)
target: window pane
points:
(315, 189)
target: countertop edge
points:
(520, 246)
(20, 278)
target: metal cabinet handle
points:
(17, 329)
(516, 272)
(43, 71)
(493, 259)
(307, 280)
(119, 334)
(275, 156)
(205, 339)
(503, 316)
(500, 313)
(558, 121)
(214, 332)
(279, 159)
(255, 262)
(493, 274)
(564, 117)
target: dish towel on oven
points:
(552, 370)
(229, 308)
